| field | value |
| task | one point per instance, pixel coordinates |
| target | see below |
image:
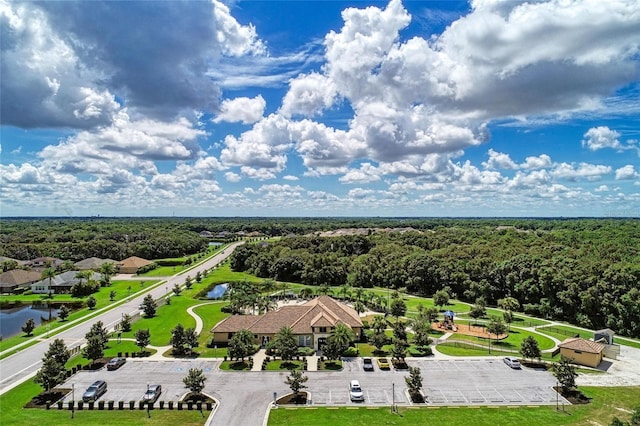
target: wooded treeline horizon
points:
(584, 271)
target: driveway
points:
(625, 371)
(245, 396)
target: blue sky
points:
(320, 108)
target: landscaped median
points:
(606, 403)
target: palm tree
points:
(83, 275)
(345, 291)
(107, 270)
(342, 335)
(48, 273)
(306, 293)
(359, 293)
(266, 304)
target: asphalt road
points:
(17, 368)
(245, 396)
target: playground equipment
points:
(448, 323)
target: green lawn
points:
(11, 404)
(604, 406)
(234, 365)
(413, 302)
(562, 332)
(512, 342)
(112, 349)
(463, 349)
(280, 365)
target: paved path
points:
(23, 365)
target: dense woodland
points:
(585, 271)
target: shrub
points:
(351, 352)
(306, 351)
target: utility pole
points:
(393, 397)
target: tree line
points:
(587, 273)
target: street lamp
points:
(73, 399)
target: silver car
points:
(95, 391)
(512, 362)
(152, 394)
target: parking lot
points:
(244, 396)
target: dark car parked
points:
(367, 364)
(95, 391)
(115, 363)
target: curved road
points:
(19, 367)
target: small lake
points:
(218, 291)
(12, 320)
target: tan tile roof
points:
(273, 321)
(134, 262)
(19, 277)
(234, 323)
(92, 263)
(320, 312)
(583, 345)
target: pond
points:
(12, 319)
(218, 291)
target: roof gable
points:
(134, 262)
(583, 345)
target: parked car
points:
(152, 394)
(115, 363)
(355, 391)
(367, 364)
(512, 361)
(95, 391)
(383, 364)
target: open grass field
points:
(13, 414)
(605, 405)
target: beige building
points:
(131, 265)
(582, 351)
(311, 322)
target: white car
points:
(355, 391)
(512, 362)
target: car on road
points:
(152, 393)
(115, 363)
(367, 364)
(355, 391)
(95, 391)
(383, 364)
(512, 362)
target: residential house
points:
(311, 322)
(15, 278)
(92, 263)
(44, 262)
(582, 351)
(61, 283)
(130, 265)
